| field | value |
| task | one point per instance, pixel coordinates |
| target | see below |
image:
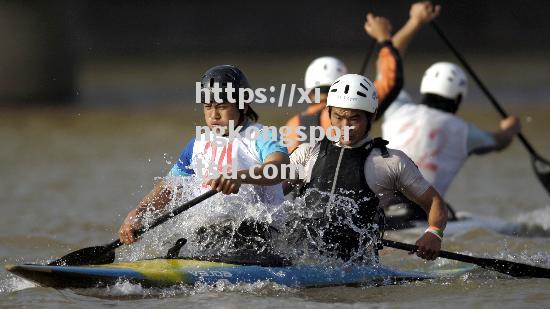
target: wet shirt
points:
(385, 176)
(207, 152)
(438, 142)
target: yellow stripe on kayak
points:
(164, 269)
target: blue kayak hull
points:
(168, 272)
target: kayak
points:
(170, 272)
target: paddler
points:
(323, 71)
(431, 133)
(243, 153)
(363, 173)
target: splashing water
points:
(213, 228)
(13, 283)
(127, 290)
(308, 231)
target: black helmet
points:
(223, 75)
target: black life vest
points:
(340, 171)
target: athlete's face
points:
(219, 115)
(355, 119)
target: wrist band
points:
(436, 231)
(387, 42)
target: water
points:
(70, 175)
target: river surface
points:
(69, 175)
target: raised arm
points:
(420, 14)
(389, 81)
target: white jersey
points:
(208, 154)
(435, 140)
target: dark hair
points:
(441, 103)
(251, 114)
(322, 89)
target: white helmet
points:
(445, 79)
(353, 91)
(324, 71)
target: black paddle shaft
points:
(540, 165)
(366, 60)
(507, 267)
(480, 84)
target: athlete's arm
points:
(428, 244)
(390, 70)
(277, 160)
(481, 142)
(379, 28)
(417, 189)
(420, 14)
(157, 199)
(257, 176)
(509, 128)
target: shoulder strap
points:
(324, 143)
(380, 143)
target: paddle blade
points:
(87, 256)
(542, 169)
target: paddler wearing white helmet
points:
(436, 139)
(364, 170)
(323, 71)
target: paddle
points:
(106, 254)
(367, 58)
(540, 165)
(506, 267)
